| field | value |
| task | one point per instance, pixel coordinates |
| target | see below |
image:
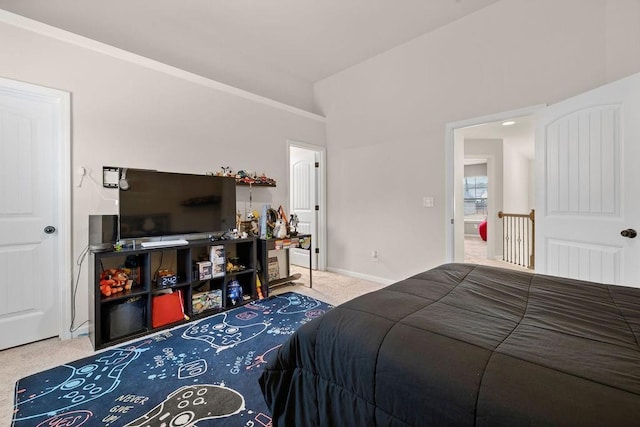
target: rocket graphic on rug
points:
(82, 384)
(190, 404)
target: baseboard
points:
(361, 276)
(83, 330)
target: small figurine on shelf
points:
(293, 223)
(253, 216)
(225, 171)
(245, 177)
(233, 265)
(234, 292)
(280, 229)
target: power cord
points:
(155, 275)
(79, 262)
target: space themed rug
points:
(204, 373)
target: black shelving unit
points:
(128, 314)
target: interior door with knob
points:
(587, 182)
(303, 195)
(33, 250)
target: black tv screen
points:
(156, 204)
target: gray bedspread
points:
(465, 345)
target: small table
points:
(302, 241)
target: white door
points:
(32, 270)
(303, 200)
(588, 179)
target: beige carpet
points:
(19, 362)
(475, 252)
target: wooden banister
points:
(518, 238)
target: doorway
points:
(35, 217)
(307, 195)
(477, 200)
(507, 142)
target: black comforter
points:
(465, 345)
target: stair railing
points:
(518, 238)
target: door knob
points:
(629, 232)
(49, 229)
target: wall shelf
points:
(254, 184)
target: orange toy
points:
(114, 280)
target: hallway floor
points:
(475, 252)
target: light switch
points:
(427, 202)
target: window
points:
(475, 197)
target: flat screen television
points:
(159, 204)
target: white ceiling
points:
(305, 39)
(520, 135)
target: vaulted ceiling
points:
(237, 41)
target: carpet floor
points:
(22, 361)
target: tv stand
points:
(129, 314)
(302, 241)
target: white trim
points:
(64, 158)
(450, 163)
(96, 46)
(321, 238)
(361, 276)
(80, 332)
(63, 147)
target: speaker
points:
(103, 232)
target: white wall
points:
(532, 184)
(129, 115)
(385, 126)
(516, 184)
(386, 117)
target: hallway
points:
(475, 252)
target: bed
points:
(465, 345)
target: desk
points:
(302, 241)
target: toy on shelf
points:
(245, 177)
(259, 287)
(233, 265)
(234, 292)
(114, 280)
(293, 225)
